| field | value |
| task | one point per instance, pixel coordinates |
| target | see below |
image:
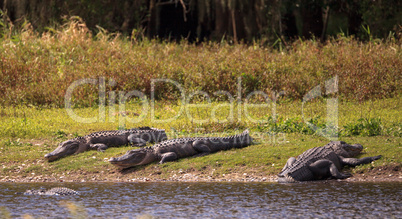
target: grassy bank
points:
(313, 93)
(29, 132)
(369, 118)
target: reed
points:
(37, 69)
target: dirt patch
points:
(384, 173)
(391, 172)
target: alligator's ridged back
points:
(299, 170)
(62, 191)
(235, 141)
(121, 132)
(106, 133)
(140, 130)
(79, 138)
(100, 134)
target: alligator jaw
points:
(55, 156)
(286, 179)
(50, 157)
(283, 178)
(120, 163)
(115, 161)
(64, 149)
(130, 159)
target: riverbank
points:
(28, 133)
(388, 173)
(260, 162)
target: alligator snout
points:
(122, 164)
(50, 157)
(113, 160)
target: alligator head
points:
(64, 149)
(345, 150)
(131, 158)
(40, 191)
(353, 150)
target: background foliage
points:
(36, 69)
(236, 20)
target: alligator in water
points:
(174, 149)
(323, 162)
(62, 191)
(104, 139)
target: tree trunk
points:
(151, 24)
(324, 29)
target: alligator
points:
(102, 140)
(323, 162)
(61, 191)
(174, 149)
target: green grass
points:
(30, 132)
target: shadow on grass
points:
(133, 169)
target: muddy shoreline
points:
(390, 173)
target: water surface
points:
(210, 200)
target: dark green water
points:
(211, 200)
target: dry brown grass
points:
(36, 69)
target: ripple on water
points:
(211, 200)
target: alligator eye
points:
(132, 151)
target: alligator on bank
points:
(61, 191)
(174, 149)
(323, 162)
(104, 139)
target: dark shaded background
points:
(236, 20)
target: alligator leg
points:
(325, 168)
(289, 163)
(169, 156)
(202, 148)
(136, 141)
(354, 161)
(99, 146)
